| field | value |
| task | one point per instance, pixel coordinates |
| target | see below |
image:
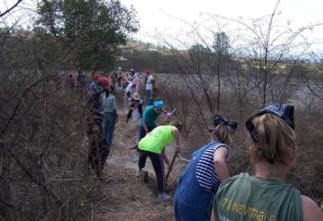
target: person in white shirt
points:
(134, 102)
(131, 88)
(149, 84)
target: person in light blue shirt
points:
(109, 105)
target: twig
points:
(10, 9)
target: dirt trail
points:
(126, 198)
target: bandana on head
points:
(218, 119)
(283, 111)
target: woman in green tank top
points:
(265, 196)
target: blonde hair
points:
(177, 124)
(276, 139)
(223, 134)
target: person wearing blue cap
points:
(149, 117)
(266, 195)
(203, 175)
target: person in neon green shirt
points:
(153, 146)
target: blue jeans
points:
(148, 97)
(109, 125)
(191, 201)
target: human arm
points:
(168, 114)
(219, 163)
(128, 90)
(114, 107)
(145, 125)
(212, 218)
(103, 99)
(144, 117)
(151, 80)
(165, 157)
(311, 212)
(176, 138)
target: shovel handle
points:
(170, 168)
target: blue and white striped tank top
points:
(205, 171)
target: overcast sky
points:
(162, 15)
(168, 17)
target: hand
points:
(168, 114)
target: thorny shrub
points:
(307, 174)
(43, 161)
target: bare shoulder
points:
(222, 149)
(310, 210)
(220, 152)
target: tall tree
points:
(221, 43)
(221, 51)
(90, 30)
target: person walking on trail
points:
(149, 117)
(135, 102)
(265, 195)
(110, 114)
(132, 72)
(153, 145)
(70, 82)
(119, 77)
(149, 86)
(130, 90)
(99, 150)
(93, 84)
(136, 78)
(203, 175)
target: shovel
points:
(170, 168)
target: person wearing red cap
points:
(149, 86)
(97, 124)
(93, 83)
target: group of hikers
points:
(103, 114)
(205, 190)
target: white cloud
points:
(161, 15)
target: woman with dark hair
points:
(205, 172)
(265, 195)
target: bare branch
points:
(10, 9)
